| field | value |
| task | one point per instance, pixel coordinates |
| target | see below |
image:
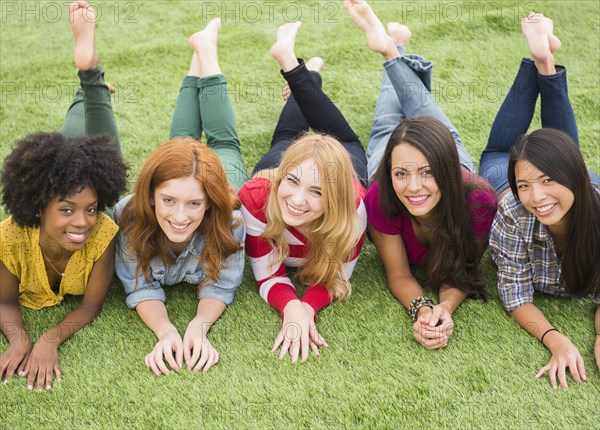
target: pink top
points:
(482, 208)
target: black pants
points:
(309, 107)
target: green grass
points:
(374, 374)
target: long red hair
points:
(182, 158)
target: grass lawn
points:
(373, 375)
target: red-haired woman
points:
(180, 224)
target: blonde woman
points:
(304, 207)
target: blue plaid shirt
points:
(525, 254)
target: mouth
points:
(294, 211)
(77, 237)
(545, 210)
(178, 228)
(417, 200)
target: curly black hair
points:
(43, 166)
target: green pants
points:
(91, 110)
(203, 104)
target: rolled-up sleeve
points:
(509, 251)
(136, 288)
(230, 276)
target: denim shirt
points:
(185, 269)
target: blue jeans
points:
(515, 114)
(405, 92)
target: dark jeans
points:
(515, 114)
(91, 110)
(309, 107)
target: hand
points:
(14, 357)
(167, 344)
(596, 352)
(197, 348)
(298, 332)
(42, 364)
(564, 354)
(433, 326)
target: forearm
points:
(534, 322)
(209, 310)
(11, 323)
(405, 289)
(76, 320)
(451, 297)
(155, 316)
(597, 320)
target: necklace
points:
(52, 265)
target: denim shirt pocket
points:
(194, 277)
(158, 269)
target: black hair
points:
(557, 155)
(43, 166)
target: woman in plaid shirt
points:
(544, 236)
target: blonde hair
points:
(337, 232)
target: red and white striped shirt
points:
(274, 285)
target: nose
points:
(537, 193)
(179, 213)
(299, 197)
(414, 182)
(79, 220)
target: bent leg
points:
(99, 117)
(74, 124)
(556, 109)
(512, 120)
(410, 76)
(186, 115)
(218, 120)
(323, 116)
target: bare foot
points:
(206, 62)
(378, 40)
(399, 33)
(537, 30)
(283, 49)
(83, 23)
(315, 64)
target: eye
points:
(167, 200)
(522, 186)
(291, 180)
(427, 173)
(399, 174)
(196, 204)
(316, 193)
(67, 211)
(547, 180)
(92, 211)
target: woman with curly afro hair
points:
(57, 241)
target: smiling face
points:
(545, 198)
(413, 181)
(299, 196)
(67, 222)
(180, 205)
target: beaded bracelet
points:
(546, 332)
(417, 304)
